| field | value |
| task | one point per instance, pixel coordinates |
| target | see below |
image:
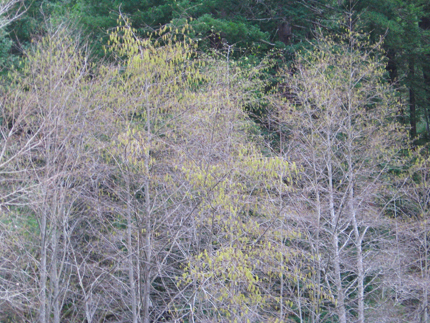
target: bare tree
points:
(408, 280)
(47, 146)
(341, 129)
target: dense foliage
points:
(215, 161)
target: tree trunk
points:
(426, 75)
(412, 103)
(353, 213)
(392, 66)
(130, 254)
(147, 265)
(54, 275)
(426, 278)
(360, 267)
(43, 269)
(335, 244)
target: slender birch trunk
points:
(130, 253)
(360, 266)
(147, 235)
(335, 242)
(43, 269)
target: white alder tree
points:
(408, 280)
(337, 113)
(51, 118)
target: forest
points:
(215, 161)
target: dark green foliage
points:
(404, 24)
(247, 24)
